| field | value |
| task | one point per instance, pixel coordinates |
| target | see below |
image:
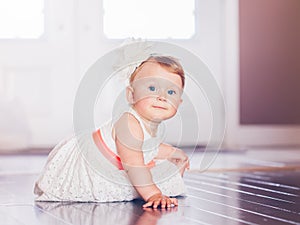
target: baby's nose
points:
(161, 98)
(161, 95)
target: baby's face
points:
(156, 92)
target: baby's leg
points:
(168, 178)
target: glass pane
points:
(21, 18)
(149, 19)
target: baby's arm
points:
(129, 140)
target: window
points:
(21, 19)
(153, 19)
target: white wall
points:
(39, 78)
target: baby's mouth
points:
(159, 107)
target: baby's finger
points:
(188, 164)
(156, 203)
(169, 203)
(163, 203)
(148, 204)
(174, 201)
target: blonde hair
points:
(169, 63)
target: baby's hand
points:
(180, 159)
(160, 200)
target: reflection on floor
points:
(249, 187)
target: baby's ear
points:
(129, 94)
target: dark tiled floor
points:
(265, 195)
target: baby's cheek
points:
(174, 102)
(141, 95)
(143, 101)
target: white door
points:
(39, 76)
(38, 73)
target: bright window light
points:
(21, 18)
(155, 19)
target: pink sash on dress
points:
(109, 154)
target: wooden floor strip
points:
(246, 195)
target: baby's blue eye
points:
(171, 92)
(152, 88)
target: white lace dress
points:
(77, 171)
